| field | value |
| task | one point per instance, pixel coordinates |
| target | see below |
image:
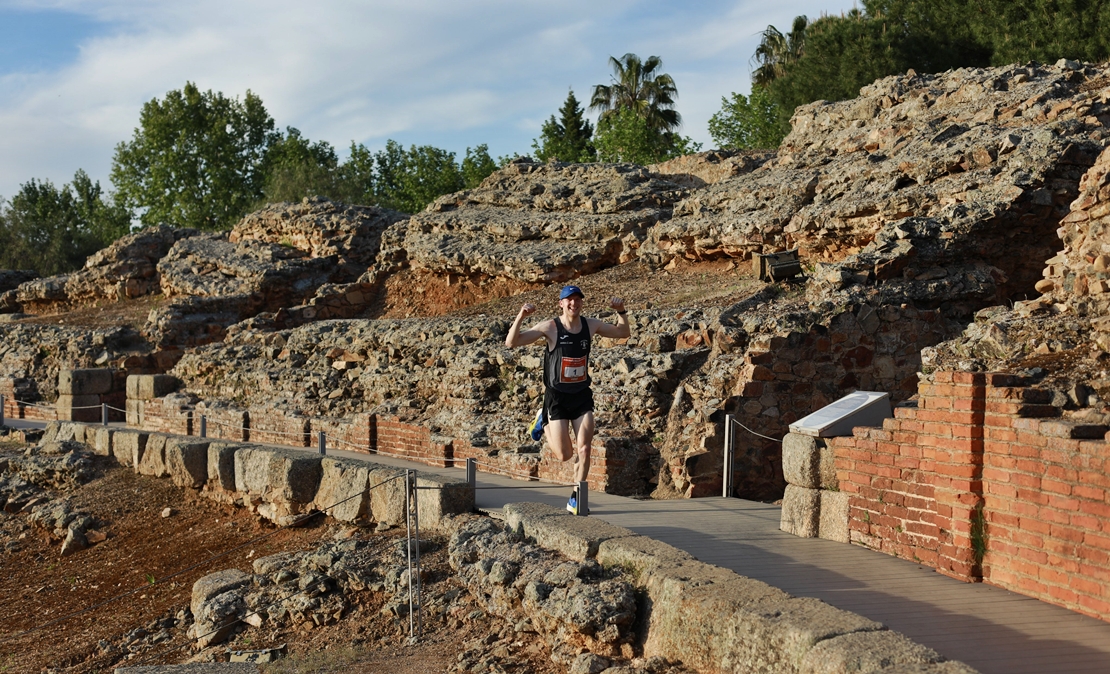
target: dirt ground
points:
(78, 613)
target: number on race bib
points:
(573, 370)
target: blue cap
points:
(571, 290)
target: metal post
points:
(2, 403)
(412, 521)
(726, 481)
(322, 442)
(103, 414)
(583, 498)
(472, 472)
(204, 425)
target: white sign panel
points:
(862, 408)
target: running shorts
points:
(568, 406)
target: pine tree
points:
(568, 138)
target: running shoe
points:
(536, 429)
(572, 504)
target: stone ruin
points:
(916, 208)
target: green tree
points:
(476, 166)
(566, 138)
(296, 168)
(746, 123)
(627, 137)
(197, 159)
(52, 230)
(640, 87)
(776, 51)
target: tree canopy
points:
(197, 159)
(566, 138)
(641, 88)
(747, 122)
(52, 230)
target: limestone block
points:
(102, 437)
(252, 469)
(66, 431)
(217, 583)
(153, 460)
(576, 537)
(135, 409)
(387, 495)
(81, 433)
(128, 444)
(866, 652)
(801, 509)
(79, 408)
(187, 461)
(221, 464)
(639, 554)
(440, 497)
(86, 382)
(150, 386)
(808, 462)
(294, 477)
(50, 432)
(344, 482)
(833, 524)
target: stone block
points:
(252, 469)
(639, 554)
(801, 510)
(294, 476)
(128, 444)
(343, 492)
(387, 495)
(66, 431)
(221, 464)
(102, 437)
(135, 410)
(833, 520)
(150, 386)
(86, 382)
(808, 462)
(866, 652)
(439, 498)
(85, 408)
(153, 459)
(555, 529)
(187, 461)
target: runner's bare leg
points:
(584, 434)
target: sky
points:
(74, 74)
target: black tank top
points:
(566, 368)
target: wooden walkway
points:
(993, 630)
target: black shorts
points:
(570, 406)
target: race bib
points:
(573, 370)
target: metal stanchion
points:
(203, 426)
(726, 482)
(103, 414)
(472, 472)
(583, 498)
(2, 403)
(412, 520)
(322, 442)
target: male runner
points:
(567, 399)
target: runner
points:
(567, 400)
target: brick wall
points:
(982, 483)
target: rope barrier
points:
(766, 437)
(292, 525)
(531, 478)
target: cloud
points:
(428, 71)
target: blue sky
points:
(74, 73)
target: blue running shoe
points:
(536, 429)
(572, 504)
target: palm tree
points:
(776, 51)
(640, 87)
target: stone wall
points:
(982, 482)
(279, 484)
(709, 617)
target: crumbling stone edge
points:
(710, 618)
